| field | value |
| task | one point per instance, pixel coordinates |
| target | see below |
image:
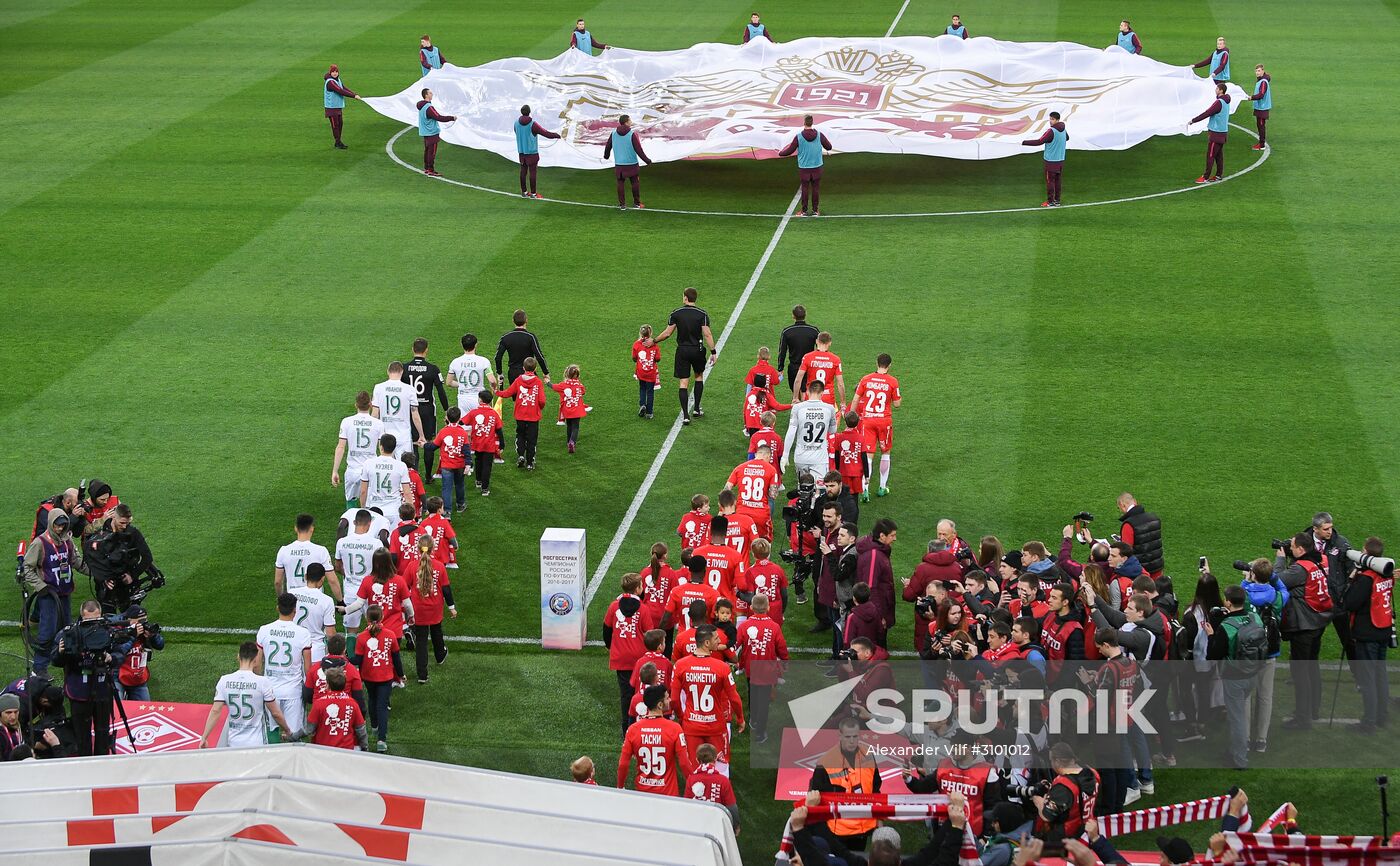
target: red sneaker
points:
(641, 206)
(1202, 179)
(1045, 204)
(1215, 178)
(1257, 147)
(535, 195)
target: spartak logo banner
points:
(935, 96)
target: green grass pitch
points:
(197, 284)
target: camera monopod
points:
(1383, 783)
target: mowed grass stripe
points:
(140, 92)
(59, 43)
(16, 13)
(1344, 211)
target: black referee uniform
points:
(797, 340)
(519, 344)
(425, 379)
(690, 323)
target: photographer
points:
(49, 561)
(1269, 597)
(118, 558)
(135, 671)
(872, 664)
(1098, 553)
(1069, 800)
(938, 566)
(1237, 638)
(1304, 620)
(69, 502)
(98, 504)
(1369, 603)
(90, 650)
(53, 730)
(805, 524)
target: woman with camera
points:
(1196, 684)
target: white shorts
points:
(818, 470)
(466, 403)
(352, 479)
(403, 439)
(294, 711)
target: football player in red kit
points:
(703, 688)
(723, 564)
(757, 482)
(660, 746)
(741, 531)
(690, 586)
(877, 396)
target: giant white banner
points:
(936, 96)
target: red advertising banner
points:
(158, 726)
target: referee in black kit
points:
(519, 344)
(425, 378)
(690, 324)
(797, 340)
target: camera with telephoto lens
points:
(1280, 545)
(1379, 564)
(925, 606)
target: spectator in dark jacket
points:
(865, 619)
(834, 491)
(1334, 546)
(938, 566)
(874, 570)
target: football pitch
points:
(198, 285)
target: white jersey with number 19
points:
(395, 401)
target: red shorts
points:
(762, 519)
(855, 482)
(720, 741)
(624, 172)
(877, 431)
(528, 159)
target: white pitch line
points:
(655, 470)
(666, 446)
(1263, 156)
(895, 22)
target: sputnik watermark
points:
(1070, 711)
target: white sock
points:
(884, 470)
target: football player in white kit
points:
(354, 556)
(396, 405)
(470, 374)
(286, 649)
(359, 440)
(809, 425)
(250, 702)
(315, 610)
(384, 479)
(289, 570)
